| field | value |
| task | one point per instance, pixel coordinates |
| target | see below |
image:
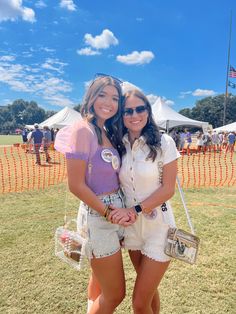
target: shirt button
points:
(133, 159)
(135, 199)
(132, 178)
(130, 168)
(133, 189)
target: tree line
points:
(21, 112)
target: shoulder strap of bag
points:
(185, 206)
(160, 168)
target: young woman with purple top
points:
(93, 165)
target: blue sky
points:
(50, 49)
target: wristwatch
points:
(138, 209)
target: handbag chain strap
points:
(160, 168)
(66, 205)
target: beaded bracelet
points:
(107, 211)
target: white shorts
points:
(149, 234)
(103, 237)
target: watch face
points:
(138, 208)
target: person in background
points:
(188, 140)
(46, 142)
(52, 135)
(148, 159)
(182, 141)
(206, 139)
(199, 143)
(231, 142)
(37, 137)
(225, 140)
(215, 139)
(93, 164)
(55, 133)
(24, 134)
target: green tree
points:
(19, 113)
(210, 109)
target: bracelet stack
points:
(107, 211)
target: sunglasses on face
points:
(138, 110)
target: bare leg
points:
(94, 289)
(149, 274)
(136, 258)
(110, 275)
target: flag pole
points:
(227, 75)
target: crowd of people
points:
(35, 138)
(209, 141)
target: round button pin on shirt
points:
(107, 155)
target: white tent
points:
(168, 118)
(64, 117)
(227, 128)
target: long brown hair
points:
(113, 130)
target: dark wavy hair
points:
(150, 131)
(112, 126)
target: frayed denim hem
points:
(159, 259)
(92, 255)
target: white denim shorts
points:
(149, 234)
(103, 237)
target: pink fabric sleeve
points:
(75, 141)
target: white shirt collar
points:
(140, 140)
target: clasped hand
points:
(122, 216)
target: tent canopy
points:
(227, 128)
(168, 118)
(64, 117)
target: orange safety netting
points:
(18, 171)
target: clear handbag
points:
(181, 245)
(70, 245)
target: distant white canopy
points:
(168, 118)
(64, 117)
(227, 128)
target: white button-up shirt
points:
(139, 177)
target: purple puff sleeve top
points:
(79, 141)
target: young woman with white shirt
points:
(143, 151)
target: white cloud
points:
(152, 98)
(139, 19)
(184, 94)
(103, 41)
(13, 9)
(54, 65)
(40, 4)
(33, 79)
(88, 52)
(68, 4)
(203, 92)
(7, 58)
(136, 57)
(46, 49)
(169, 102)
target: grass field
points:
(33, 280)
(10, 139)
